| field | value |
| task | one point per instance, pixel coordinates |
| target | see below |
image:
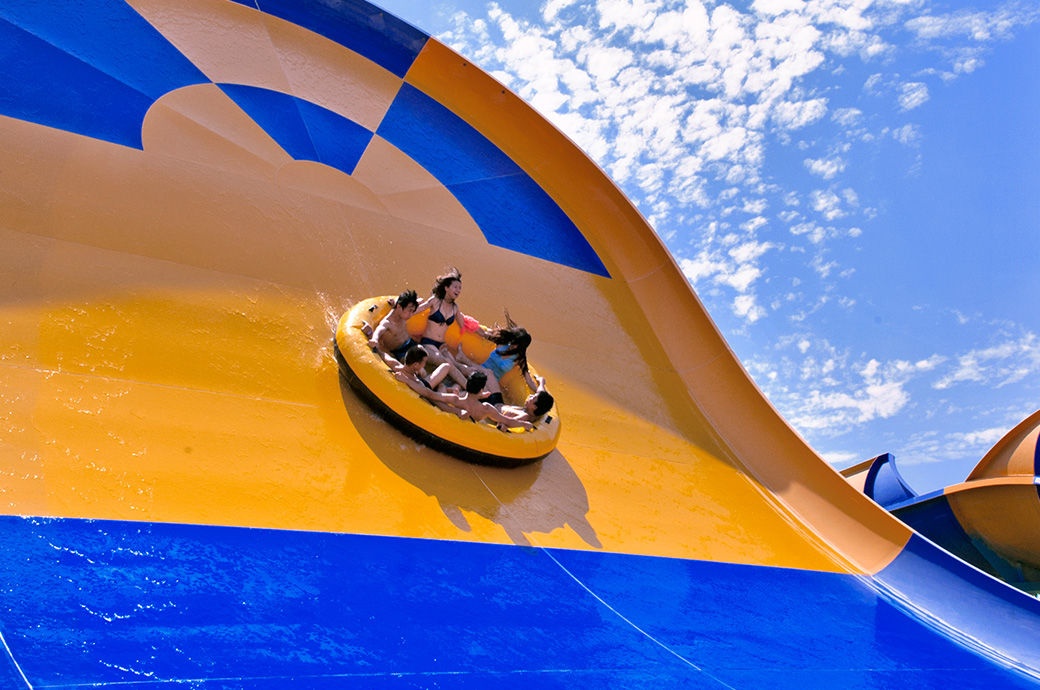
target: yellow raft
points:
(481, 443)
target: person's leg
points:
(434, 353)
(441, 372)
(456, 372)
(464, 362)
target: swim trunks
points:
(399, 352)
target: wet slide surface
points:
(191, 194)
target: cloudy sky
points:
(852, 188)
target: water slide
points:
(989, 520)
(192, 193)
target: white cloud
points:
(692, 89)
(826, 203)
(552, 8)
(964, 37)
(836, 410)
(794, 115)
(826, 168)
(754, 224)
(815, 232)
(909, 135)
(996, 366)
(604, 63)
(847, 117)
(825, 392)
(736, 269)
(966, 64)
(986, 437)
(627, 14)
(701, 267)
(821, 267)
(755, 205)
(686, 27)
(635, 80)
(873, 83)
(913, 95)
(841, 458)
(747, 308)
(772, 7)
(978, 26)
(741, 278)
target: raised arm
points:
(425, 304)
(535, 383)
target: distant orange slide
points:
(989, 520)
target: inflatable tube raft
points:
(482, 443)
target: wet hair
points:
(515, 338)
(416, 353)
(405, 298)
(440, 285)
(543, 402)
(476, 382)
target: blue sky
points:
(851, 186)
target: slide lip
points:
(368, 376)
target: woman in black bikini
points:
(443, 312)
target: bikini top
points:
(438, 317)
